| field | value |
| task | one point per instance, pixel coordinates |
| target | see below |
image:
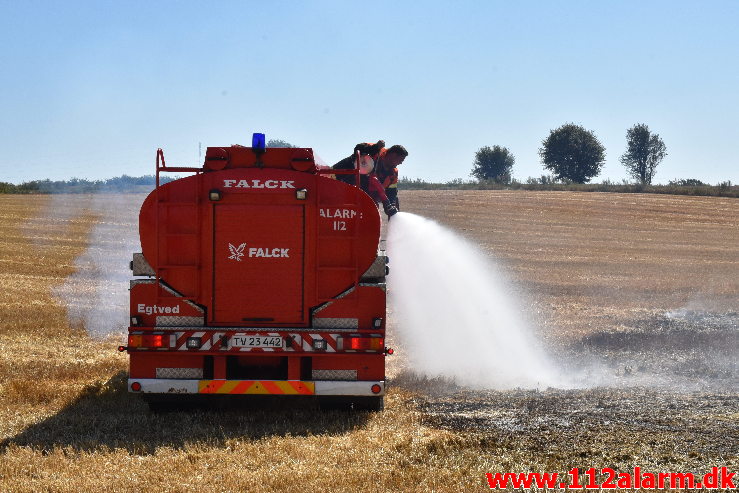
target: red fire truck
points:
(259, 274)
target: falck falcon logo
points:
(236, 252)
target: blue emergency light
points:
(258, 143)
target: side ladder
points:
(173, 233)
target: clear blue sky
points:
(91, 89)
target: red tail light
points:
(363, 343)
(148, 340)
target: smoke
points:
(55, 218)
(96, 295)
(457, 317)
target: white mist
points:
(96, 294)
(456, 316)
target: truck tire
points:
(351, 403)
(159, 404)
(373, 403)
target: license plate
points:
(257, 341)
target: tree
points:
(493, 163)
(279, 143)
(573, 153)
(644, 151)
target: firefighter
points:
(383, 190)
(386, 170)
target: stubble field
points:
(636, 295)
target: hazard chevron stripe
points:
(277, 387)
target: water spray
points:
(457, 317)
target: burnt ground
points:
(682, 350)
(602, 427)
(662, 396)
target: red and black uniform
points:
(370, 183)
(388, 178)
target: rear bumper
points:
(255, 387)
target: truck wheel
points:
(347, 403)
(158, 404)
(334, 403)
(374, 403)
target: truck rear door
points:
(258, 273)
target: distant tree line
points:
(575, 155)
(120, 184)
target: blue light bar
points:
(258, 142)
